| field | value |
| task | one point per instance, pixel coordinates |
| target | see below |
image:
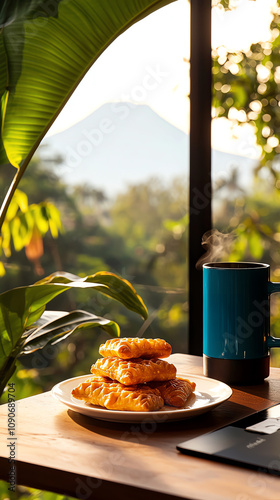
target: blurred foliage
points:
(246, 89)
(24, 493)
(28, 226)
(25, 226)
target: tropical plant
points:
(46, 47)
(25, 327)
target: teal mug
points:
(236, 321)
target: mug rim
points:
(236, 266)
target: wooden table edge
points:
(65, 483)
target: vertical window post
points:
(200, 159)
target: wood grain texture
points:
(63, 451)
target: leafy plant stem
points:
(12, 188)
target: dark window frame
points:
(200, 191)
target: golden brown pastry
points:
(128, 348)
(115, 396)
(175, 392)
(134, 371)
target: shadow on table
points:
(150, 431)
(267, 390)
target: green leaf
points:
(3, 67)
(111, 286)
(19, 201)
(40, 218)
(3, 94)
(49, 48)
(52, 215)
(59, 329)
(45, 318)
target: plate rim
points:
(102, 413)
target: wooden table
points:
(63, 451)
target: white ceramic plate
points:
(208, 394)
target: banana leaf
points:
(49, 46)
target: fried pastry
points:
(175, 392)
(129, 348)
(115, 396)
(134, 371)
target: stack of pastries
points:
(131, 376)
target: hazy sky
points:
(148, 64)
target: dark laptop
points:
(252, 442)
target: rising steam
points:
(217, 247)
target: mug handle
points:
(272, 288)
